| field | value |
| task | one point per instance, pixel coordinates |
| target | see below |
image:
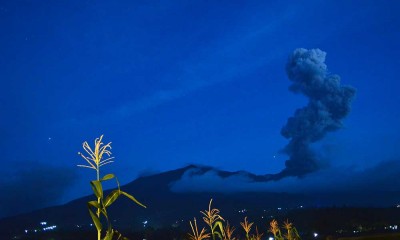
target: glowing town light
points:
(315, 235)
(26, 231)
(144, 223)
(43, 223)
(49, 228)
(270, 238)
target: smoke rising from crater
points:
(329, 102)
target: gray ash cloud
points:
(329, 102)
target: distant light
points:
(315, 235)
(26, 231)
(49, 228)
(43, 223)
(279, 208)
(394, 227)
(270, 238)
(144, 223)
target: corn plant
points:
(229, 232)
(95, 161)
(291, 232)
(214, 220)
(257, 236)
(246, 227)
(274, 229)
(196, 235)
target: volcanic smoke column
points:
(329, 102)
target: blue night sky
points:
(172, 83)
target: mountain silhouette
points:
(167, 208)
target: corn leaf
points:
(218, 234)
(97, 188)
(94, 204)
(95, 220)
(111, 198)
(132, 198)
(109, 235)
(108, 177)
(221, 229)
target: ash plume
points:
(329, 102)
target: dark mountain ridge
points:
(166, 208)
